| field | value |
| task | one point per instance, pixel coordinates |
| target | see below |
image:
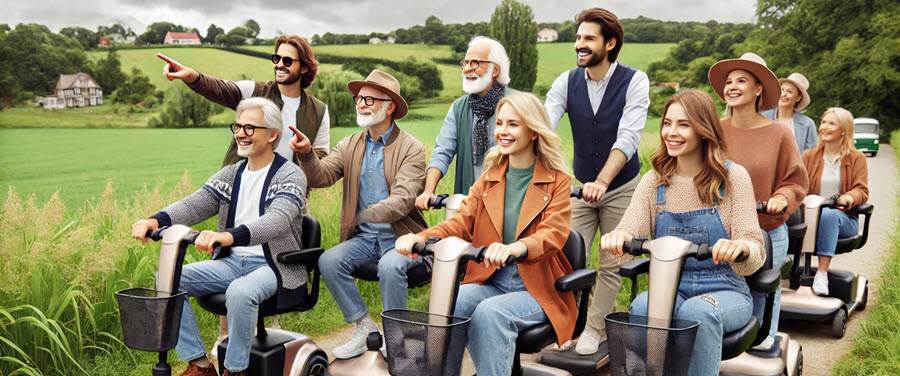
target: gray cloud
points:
(310, 17)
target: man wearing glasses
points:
(468, 128)
(259, 203)
(383, 169)
(295, 68)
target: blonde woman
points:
(835, 168)
(519, 207)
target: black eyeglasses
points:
(287, 60)
(249, 129)
(369, 100)
(474, 63)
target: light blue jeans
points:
(779, 237)
(339, 262)
(246, 281)
(833, 224)
(719, 300)
(499, 309)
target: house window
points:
(77, 91)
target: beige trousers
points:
(605, 214)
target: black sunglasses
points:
(249, 129)
(287, 60)
(368, 100)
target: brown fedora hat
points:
(754, 64)
(802, 84)
(385, 83)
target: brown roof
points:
(67, 81)
(178, 35)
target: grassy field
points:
(104, 116)
(876, 349)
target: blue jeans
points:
(717, 299)
(499, 309)
(339, 262)
(833, 224)
(779, 237)
(246, 281)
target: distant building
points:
(375, 40)
(670, 85)
(104, 41)
(547, 35)
(74, 90)
(115, 39)
(174, 37)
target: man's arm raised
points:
(225, 93)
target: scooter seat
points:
(215, 303)
(418, 276)
(535, 338)
(736, 342)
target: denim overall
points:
(712, 294)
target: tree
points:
(435, 32)
(212, 32)
(87, 38)
(182, 108)
(32, 58)
(252, 28)
(108, 72)
(512, 24)
(235, 37)
(4, 28)
(115, 28)
(156, 32)
(331, 88)
(136, 89)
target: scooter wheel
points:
(865, 299)
(316, 365)
(839, 324)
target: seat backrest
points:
(311, 233)
(574, 250)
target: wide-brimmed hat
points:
(754, 64)
(801, 83)
(385, 83)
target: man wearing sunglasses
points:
(259, 203)
(468, 128)
(383, 169)
(295, 68)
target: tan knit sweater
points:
(737, 210)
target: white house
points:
(74, 90)
(174, 37)
(547, 35)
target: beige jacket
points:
(404, 170)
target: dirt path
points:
(820, 350)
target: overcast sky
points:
(308, 17)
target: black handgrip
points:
(423, 248)
(439, 201)
(193, 239)
(576, 192)
(156, 235)
(635, 247)
(480, 258)
(761, 208)
(704, 251)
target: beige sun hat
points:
(801, 83)
(385, 83)
(754, 64)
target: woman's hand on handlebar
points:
(729, 251)
(496, 254)
(776, 204)
(845, 200)
(207, 240)
(614, 242)
(424, 200)
(140, 229)
(405, 244)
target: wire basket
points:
(424, 344)
(150, 318)
(637, 347)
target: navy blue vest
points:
(594, 134)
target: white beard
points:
(366, 121)
(479, 85)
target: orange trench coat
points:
(544, 223)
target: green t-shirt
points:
(517, 181)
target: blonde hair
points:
(547, 146)
(845, 120)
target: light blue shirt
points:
(445, 144)
(373, 189)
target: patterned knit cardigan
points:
(277, 229)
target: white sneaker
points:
(357, 343)
(589, 342)
(820, 284)
(766, 344)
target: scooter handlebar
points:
(831, 202)
(636, 247)
(157, 235)
(576, 192)
(761, 207)
(480, 257)
(439, 201)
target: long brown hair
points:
(712, 181)
(547, 146)
(307, 57)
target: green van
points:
(865, 135)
